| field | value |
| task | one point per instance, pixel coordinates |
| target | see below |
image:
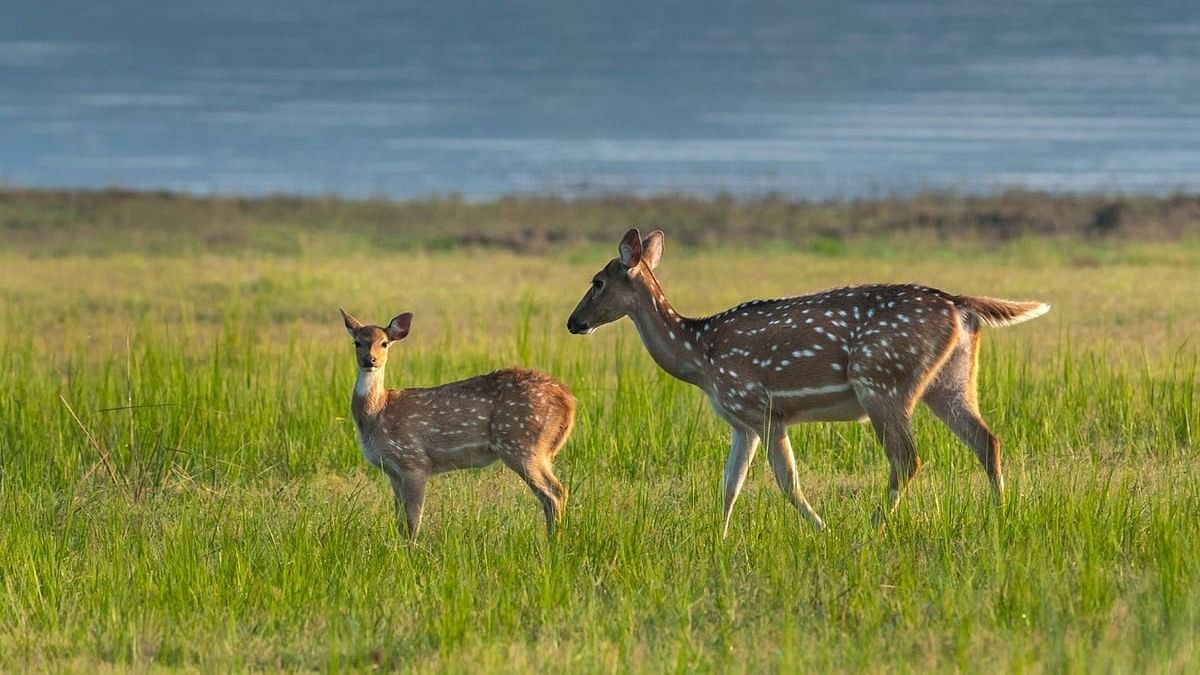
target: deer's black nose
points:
(576, 326)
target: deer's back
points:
(798, 354)
(459, 424)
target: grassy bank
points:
(180, 485)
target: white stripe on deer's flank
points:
(455, 448)
(812, 391)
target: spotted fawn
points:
(860, 353)
(521, 417)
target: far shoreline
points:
(38, 220)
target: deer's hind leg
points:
(552, 443)
(892, 423)
(952, 398)
(538, 475)
(530, 461)
(889, 374)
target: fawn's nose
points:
(369, 362)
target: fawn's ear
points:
(652, 248)
(352, 324)
(398, 328)
(631, 249)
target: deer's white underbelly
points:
(464, 455)
(843, 409)
(835, 402)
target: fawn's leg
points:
(783, 465)
(551, 444)
(741, 452)
(559, 490)
(537, 475)
(558, 494)
(409, 492)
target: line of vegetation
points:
(57, 222)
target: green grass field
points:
(180, 484)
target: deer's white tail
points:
(998, 313)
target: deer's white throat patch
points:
(368, 380)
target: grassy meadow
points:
(180, 485)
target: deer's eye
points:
(597, 284)
(383, 344)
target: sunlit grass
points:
(180, 486)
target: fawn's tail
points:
(997, 313)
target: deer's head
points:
(371, 342)
(613, 291)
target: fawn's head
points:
(612, 294)
(371, 342)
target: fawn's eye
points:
(383, 344)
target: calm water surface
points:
(815, 99)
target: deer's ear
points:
(352, 324)
(398, 328)
(631, 249)
(652, 248)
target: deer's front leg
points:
(783, 465)
(409, 492)
(741, 452)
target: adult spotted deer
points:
(867, 352)
(521, 417)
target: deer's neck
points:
(672, 340)
(369, 396)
